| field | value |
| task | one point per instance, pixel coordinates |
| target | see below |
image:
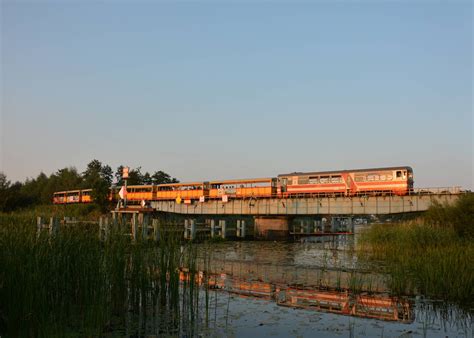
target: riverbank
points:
(431, 256)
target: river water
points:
(314, 287)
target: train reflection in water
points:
(338, 301)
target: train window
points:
(399, 174)
(359, 178)
(389, 177)
(383, 177)
(336, 179)
(372, 177)
(313, 180)
(324, 179)
(303, 180)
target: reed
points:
(422, 258)
(73, 284)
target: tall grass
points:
(430, 256)
(73, 284)
(459, 217)
(80, 211)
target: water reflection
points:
(327, 251)
(342, 301)
(324, 276)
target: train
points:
(356, 182)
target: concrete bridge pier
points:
(272, 227)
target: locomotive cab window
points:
(399, 174)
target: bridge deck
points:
(362, 205)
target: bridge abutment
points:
(272, 227)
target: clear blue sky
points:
(206, 90)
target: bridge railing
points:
(415, 192)
(438, 190)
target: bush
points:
(459, 216)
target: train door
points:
(205, 189)
(284, 183)
(348, 179)
(274, 187)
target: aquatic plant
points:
(74, 284)
(422, 258)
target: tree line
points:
(98, 176)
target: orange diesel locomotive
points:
(391, 180)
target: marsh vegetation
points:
(73, 284)
(431, 256)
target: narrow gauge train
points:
(72, 196)
(375, 181)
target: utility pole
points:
(125, 178)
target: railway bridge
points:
(278, 214)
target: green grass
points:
(74, 285)
(423, 258)
(80, 211)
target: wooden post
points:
(106, 228)
(186, 226)
(222, 224)
(53, 226)
(241, 228)
(156, 233)
(190, 229)
(39, 225)
(334, 224)
(193, 229)
(213, 228)
(100, 227)
(134, 226)
(145, 226)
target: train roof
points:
(345, 171)
(166, 185)
(66, 192)
(242, 180)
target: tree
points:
(135, 176)
(92, 173)
(100, 194)
(99, 178)
(67, 179)
(147, 178)
(4, 186)
(11, 197)
(160, 177)
(107, 174)
(118, 176)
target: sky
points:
(234, 89)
